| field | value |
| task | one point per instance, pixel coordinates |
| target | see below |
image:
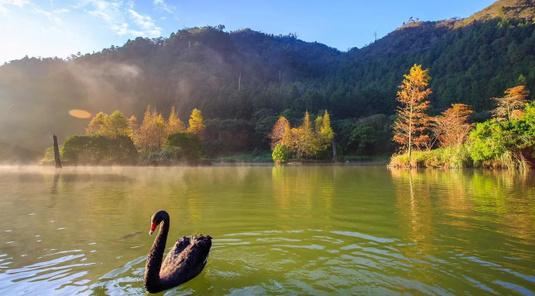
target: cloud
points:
(146, 23)
(18, 3)
(121, 17)
(162, 5)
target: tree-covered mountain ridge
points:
(243, 80)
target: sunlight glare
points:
(79, 113)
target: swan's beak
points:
(152, 227)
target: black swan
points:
(184, 261)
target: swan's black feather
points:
(185, 260)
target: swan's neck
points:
(155, 258)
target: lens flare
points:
(79, 113)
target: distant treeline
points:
(243, 81)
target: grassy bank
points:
(438, 158)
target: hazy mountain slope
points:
(242, 80)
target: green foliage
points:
(99, 150)
(487, 141)
(368, 136)
(280, 154)
(233, 76)
(306, 141)
(49, 157)
(363, 137)
(507, 144)
(185, 147)
(111, 126)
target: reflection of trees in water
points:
(472, 201)
(508, 197)
(303, 191)
(414, 205)
(485, 213)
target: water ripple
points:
(64, 272)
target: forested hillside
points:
(244, 80)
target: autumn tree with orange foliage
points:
(511, 105)
(452, 128)
(280, 128)
(152, 133)
(174, 124)
(412, 121)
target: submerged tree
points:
(412, 121)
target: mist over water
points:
(314, 230)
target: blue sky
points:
(48, 28)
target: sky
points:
(55, 28)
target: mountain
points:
(505, 9)
(470, 60)
(243, 80)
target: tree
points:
(110, 126)
(306, 143)
(185, 146)
(99, 150)
(511, 105)
(98, 124)
(505, 143)
(118, 125)
(280, 154)
(324, 130)
(152, 134)
(196, 125)
(132, 127)
(280, 127)
(174, 124)
(451, 128)
(412, 121)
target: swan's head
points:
(156, 219)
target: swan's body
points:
(184, 261)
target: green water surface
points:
(291, 230)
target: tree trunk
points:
(56, 152)
(334, 148)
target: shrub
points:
(99, 150)
(280, 154)
(184, 146)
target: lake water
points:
(292, 230)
